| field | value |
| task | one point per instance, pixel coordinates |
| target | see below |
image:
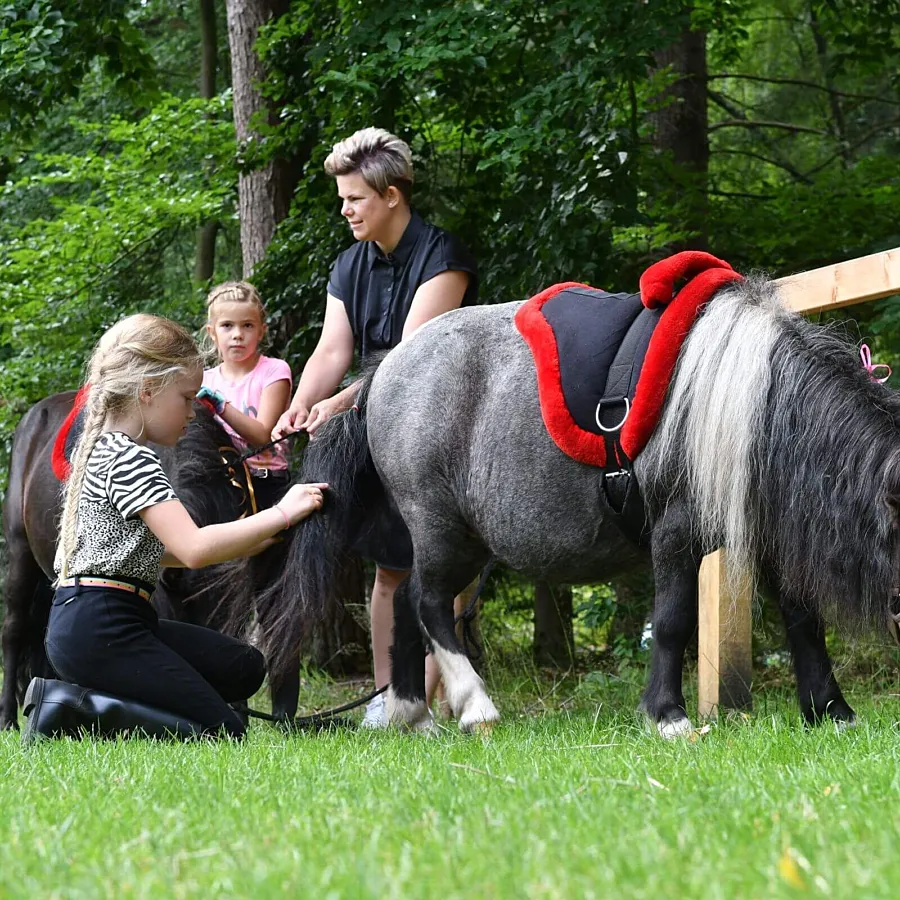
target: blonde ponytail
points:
(138, 353)
(95, 415)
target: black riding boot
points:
(56, 708)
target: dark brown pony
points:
(211, 491)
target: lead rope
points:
(467, 616)
(316, 719)
(319, 720)
(241, 460)
(255, 451)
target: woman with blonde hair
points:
(401, 273)
(124, 668)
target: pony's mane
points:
(782, 445)
(320, 566)
(196, 469)
(198, 474)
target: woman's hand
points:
(290, 421)
(324, 410)
(301, 500)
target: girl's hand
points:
(322, 412)
(212, 400)
(301, 500)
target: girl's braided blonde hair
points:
(138, 353)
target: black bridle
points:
(239, 463)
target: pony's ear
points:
(891, 488)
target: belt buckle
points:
(260, 473)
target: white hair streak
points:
(710, 424)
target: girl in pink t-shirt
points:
(247, 391)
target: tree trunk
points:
(209, 48)
(839, 124)
(554, 639)
(681, 131)
(205, 259)
(264, 194)
(205, 262)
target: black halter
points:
(238, 471)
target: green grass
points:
(563, 800)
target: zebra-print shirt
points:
(120, 480)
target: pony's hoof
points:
(9, 724)
(409, 715)
(675, 728)
(844, 724)
(478, 716)
(484, 729)
(425, 726)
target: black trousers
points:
(271, 489)
(113, 641)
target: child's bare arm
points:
(170, 561)
(258, 431)
(197, 547)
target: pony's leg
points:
(23, 588)
(817, 689)
(286, 694)
(676, 563)
(406, 705)
(463, 687)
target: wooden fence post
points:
(725, 668)
(724, 665)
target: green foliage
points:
(595, 605)
(108, 217)
(522, 118)
(803, 134)
(532, 128)
(47, 47)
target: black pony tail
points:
(318, 576)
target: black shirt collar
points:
(402, 252)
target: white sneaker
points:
(376, 714)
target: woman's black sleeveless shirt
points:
(377, 289)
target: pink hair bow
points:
(865, 354)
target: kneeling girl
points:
(122, 521)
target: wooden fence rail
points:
(725, 666)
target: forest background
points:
(149, 149)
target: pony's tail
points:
(317, 576)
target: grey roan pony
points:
(773, 443)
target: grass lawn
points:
(558, 802)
